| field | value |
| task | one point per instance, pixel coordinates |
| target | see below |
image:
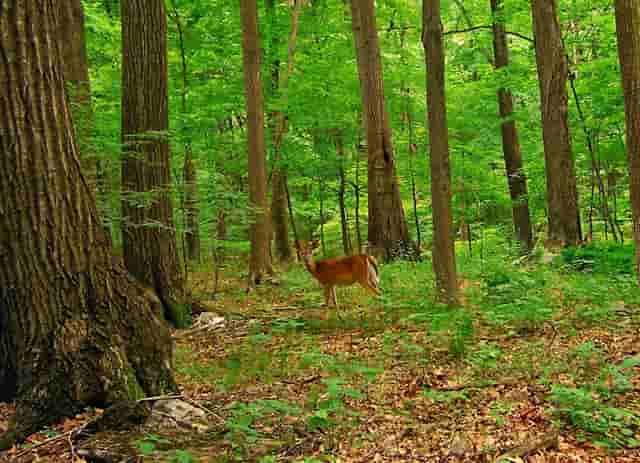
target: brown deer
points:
(341, 271)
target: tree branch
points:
(486, 27)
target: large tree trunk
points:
(388, 234)
(516, 177)
(260, 259)
(148, 235)
(628, 33)
(74, 329)
(562, 193)
(443, 252)
(76, 74)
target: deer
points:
(341, 271)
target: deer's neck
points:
(311, 265)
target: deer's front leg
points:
(327, 295)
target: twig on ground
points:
(547, 441)
(161, 397)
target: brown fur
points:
(341, 271)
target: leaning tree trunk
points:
(628, 33)
(388, 234)
(75, 330)
(444, 257)
(148, 235)
(260, 259)
(516, 177)
(76, 74)
(562, 193)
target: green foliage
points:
(602, 258)
(611, 426)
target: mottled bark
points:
(148, 235)
(388, 234)
(562, 193)
(443, 252)
(628, 33)
(75, 329)
(516, 177)
(260, 259)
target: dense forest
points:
(320, 230)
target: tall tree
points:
(74, 329)
(628, 33)
(279, 175)
(260, 259)
(148, 235)
(388, 234)
(562, 193)
(189, 173)
(443, 252)
(516, 177)
(76, 74)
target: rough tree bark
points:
(443, 252)
(628, 33)
(75, 330)
(148, 235)
(562, 193)
(388, 234)
(260, 259)
(76, 74)
(516, 177)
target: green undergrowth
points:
(523, 323)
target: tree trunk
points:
(75, 330)
(344, 222)
(628, 33)
(516, 177)
(148, 235)
(279, 177)
(444, 257)
(192, 225)
(388, 234)
(260, 260)
(76, 74)
(562, 194)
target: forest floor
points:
(541, 364)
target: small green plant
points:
(149, 444)
(182, 456)
(446, 397)
(610, 426)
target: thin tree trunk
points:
(408, 118)
(192, 223)
(279, 176)
(344, 222)
(388, 234)
(150, 252)
(75, 330)
(444, 257)
(562, 193)
(260, 260)
(628, 34)
(357, 194)
(510, 144)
